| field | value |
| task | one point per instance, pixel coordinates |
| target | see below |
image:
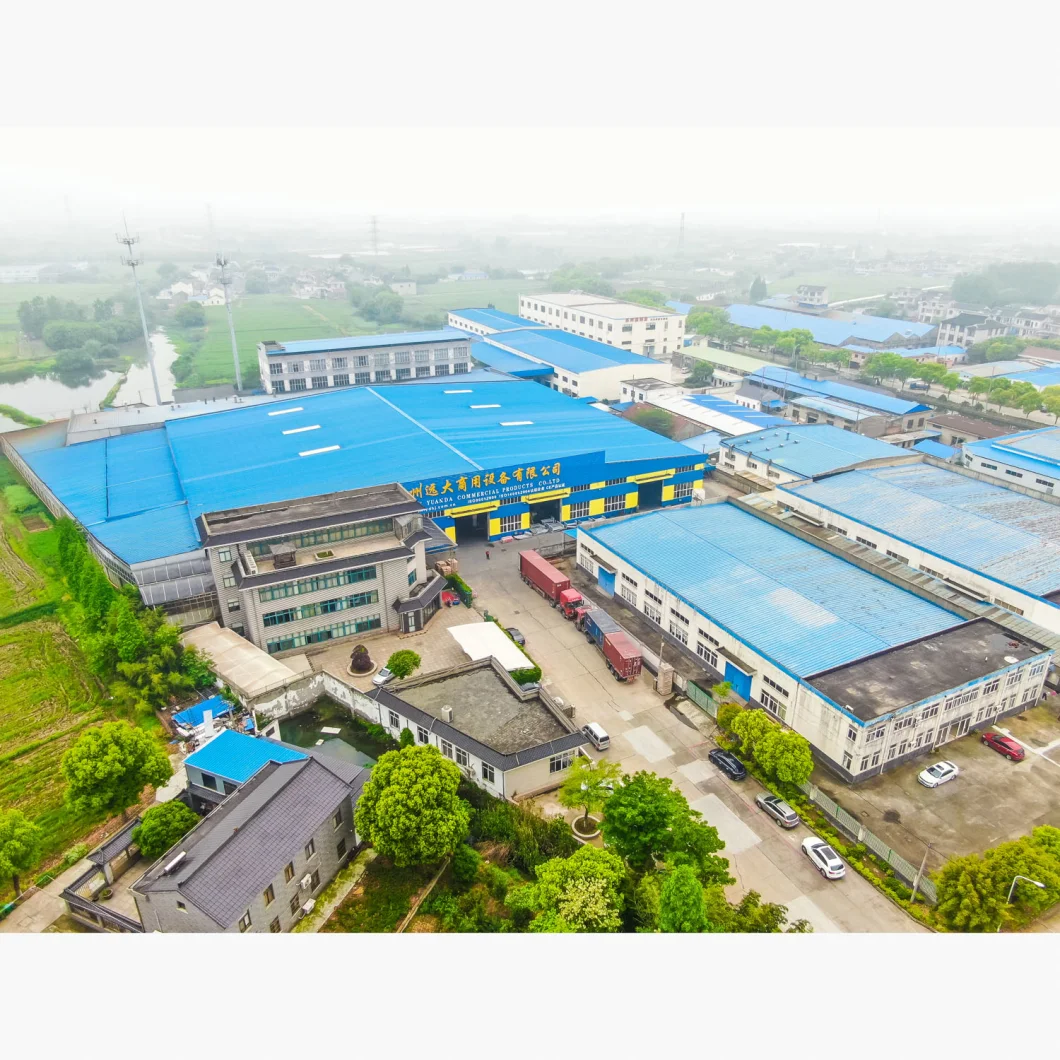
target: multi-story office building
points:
(319, 364)
(647, 330)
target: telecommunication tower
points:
(226, 281)
(130, 259)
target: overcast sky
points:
(770, 113)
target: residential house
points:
(966, 329)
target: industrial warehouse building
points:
(991, 543)
(1030, 459)
(571, 364)
(295, 497)
(869, 672)
(837, 328)
(321, 364)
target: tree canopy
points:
(108, 768)
(572, 277)
(682, 904)
(758, 290)
(588, 785)
(402, 663)
(163, 826)
(701, 375)
(582, 893)
(20, 841)
(190, 315)
(409, 809)
(1027, 282)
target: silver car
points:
(778, 809)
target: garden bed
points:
(382, 898)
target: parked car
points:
(728, 763)
(1004, 745)
(516, 636)
(778, 809)
(382, 677)
(824, 858)
(597, 736)
(938, 774)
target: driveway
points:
(646, 735)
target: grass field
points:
(502, 294)
(842, 286)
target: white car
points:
(938, 774)
(382, 677)
(824, 858)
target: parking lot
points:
(992, 800)
(646, 735)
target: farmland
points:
(842, 285)
(440, 297)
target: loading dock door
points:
(606, 580)
(741, 682)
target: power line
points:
(130, 259)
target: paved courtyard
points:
(646, 735)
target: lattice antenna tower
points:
(132, 260)
(226, 282)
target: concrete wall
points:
(1034, 483)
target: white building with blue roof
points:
(993, 544)
(836, 329)
(1030, 459)
(869, 672)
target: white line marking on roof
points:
(517, 423)
(426, 430)
(299, 430)
(326, 449)
(283, 412)
(458, 391)
(483, 406)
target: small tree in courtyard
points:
(20, 842)
(587, 787)
(360, 660)
(751, 726)
(409, 809)
(162, 827)
(785, 755)
(403, 663)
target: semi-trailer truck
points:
(620, 650)
(551, 583)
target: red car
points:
(1004, 745)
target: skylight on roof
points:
(313, 452)
(283, 412)
(517, 423)
(484, 406)
(299, 430)
(458, 391)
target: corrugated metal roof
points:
(237, 757)
(574, 353)
(193, 715)
(932, 448)
(831, 408)
(705, 443)
(825, 330)
(680, 307)
(1004, 535)
(360, 342)
(778, 377)
(1039, 377)
(800, 606)
(813, 448)
(512, 363)
(492, 318)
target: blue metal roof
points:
(493, 318)
(319, 442)
(1037, 450)
(785, 378)
(831, 408)
(825, 330)
(573, 353)
(812, 449)
(512, 363)
(917, 351)
(237, 757)
(359, 342)
(705, 443)
(1039, 377)
(798, 605)
(738, 412)
(932, 448)
(193, 715)
(1007, 536)
(680, 307)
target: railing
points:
(94, 910)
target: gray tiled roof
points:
(115, 845)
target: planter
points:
(364, 673)
(585, 836)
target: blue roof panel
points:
(512, 363)
(825, 330)
(739, 412)
(1039, 377)
(237, 757)
(932, 448)
(193, 715)
(795, 603)
(813, 449)
(574, 353)
(493, 318)
(1007, 536)
(358, 342)
(777, 377)
(1037, 450)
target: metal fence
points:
(852, 827)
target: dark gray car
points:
(516, 636)
(778, 809)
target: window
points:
(773, 705)
(991, 467)
(321, 607)
(707, 653)
(382, 375)
(442, 354)
(276, 368)
(930, 712)
(342, 379)
(579, 510)
(488, 774)
(336, 821)
(314, 883)
(422, 373)
(293, 905)
(233, 605)
(412, 576)
(421, 734)
(381, 359)
(338, 362)
(228, 581)
(558, 763)
(852, 734)
(310, 849)
(1013, 678)
(878, 733)
(629, 594)
(510, 523)
(461, 757)
(274, 926)
(992, 686)
(361, 361)
(441, 369)
(865, 541)
(772, 684)
(422, 357)
(395, 721)
(324, 633)
(1036, 669)
(288, 872)
(1045, 482)
(848, 759)
(224, 555)
(269, 895)
(340, 848)
(895, 555)
(182, 907)
(682, 491)
(298, 384)
(864, 764)
(402, 357)
(403, 373)
(244, 921)
(1014, 474)
(362, 378)
(614, 504)
(679, 631)
(653, 613)
(447, 748)
(318, 365)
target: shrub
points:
(406, 739)
(727, 714)
(497, 882)
(360, 660)
(402, 663)
(73, 855)
(528, 675)
(19, 499)
(466, 861)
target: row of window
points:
(323, 607)
(450, 750)
(325, 537)
(382, 375)
(325, 633)
(380, 359)
(313, 585)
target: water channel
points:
(346, 739)
(49, 398)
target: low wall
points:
(303, 691)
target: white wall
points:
(1008, 474)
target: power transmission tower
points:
(681, 238)
(226, 281)
(132, 261)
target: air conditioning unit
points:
(307, 908)
(447, 714)
(307, 880)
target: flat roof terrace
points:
(486, 709)
(911, 673)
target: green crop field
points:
(842, 285)
(502, 294)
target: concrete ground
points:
(991, 801)
(39, 910)
(646, 735)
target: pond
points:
(351, 742)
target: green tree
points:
(727, 714)
(190, 315)
(587, 786)
(1050, 397)
(682, 907)
(652, 419)
(785, 756)
(980, 385)
(1000, 391)
(409, 809)
(402, 663)
(584, 893)
(758, 290)
(168, 272)
(406, 739)
(750, 915)
(645, 296)
(102, 309)
(466, 862)
(384, 307)
(19, 499)
(950, 381)
(108, 768)
(20, 841)
(257, 282)
(163, 826)
(765, 338)
(794, 341)
(702, 374)
(886, 308)
(572, 277)
(129, 637)
(750, 727)
(646, 902)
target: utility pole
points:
(132, 261)
(226, 281)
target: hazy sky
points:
(770, 113)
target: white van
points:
(599, 739)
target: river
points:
(50, 399)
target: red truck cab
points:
(570, 602)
